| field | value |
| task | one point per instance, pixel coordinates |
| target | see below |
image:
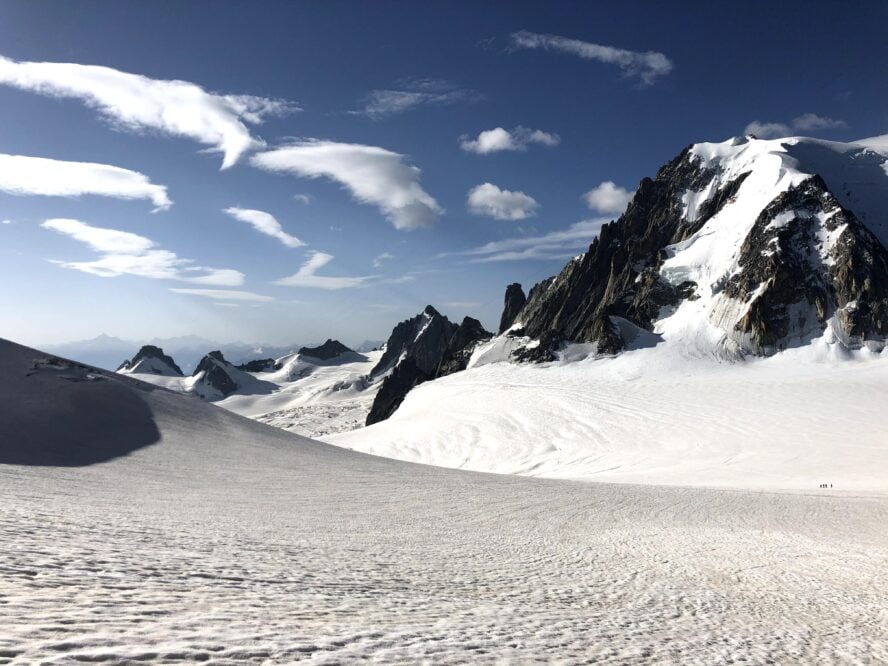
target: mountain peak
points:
(150, 360)
(744, 246)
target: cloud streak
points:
(373, 175)
(807, 122)
(264, 223)
(560, 244)
(41, 176)
(646, 66)
(307, 276)
(379, 104)
(126, 253)
(498, 139)
(137, 103)
(489, 200)
(224, 294)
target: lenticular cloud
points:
(135, 102)
(25, 175)
(372, 174)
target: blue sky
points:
(370, 154)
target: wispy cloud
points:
(373, 175)
(608, 198)
(411, 94)
(498, 139)
(807, 122)
(126, 253)
(134, 102)
(264, 223)
(224, 294)
(23, 175)
(302, 198)
(307, 276)
(560, 244)
(6, 222)
(646, 66)
(488, 199)
(380, 258)
(468, 305)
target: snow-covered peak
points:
(150, 360)
(744, 246)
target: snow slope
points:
(204, 536)
(657, 415)
(855, 174)
(308, 396)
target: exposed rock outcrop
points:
(330, 349)
(422, 348)
(216, 377)
(424, 338)
(790, 285)
(462, 344)
(514, 301)
(774, 270)
(260, 365)
(151, 360)
(577, 304)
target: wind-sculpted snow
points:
(231, 541)
(659, 414)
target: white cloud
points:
(373, 175)
(134, 102)
(807, 122)
(646, 66)
(412, 93)
(224, 294)
(6, 222)
(306, 276)
(264, 223)
(608, 198)
(560, 244)
(380, 258)
(811, 122)
(303, 198)
(23, 175)
(489, 200)
(126, 253)
(499, 139)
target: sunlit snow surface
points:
(655, 415)
(308, 396)
(227, 540)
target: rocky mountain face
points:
(330, 349)
(741, 245)
(150, 360)
(216, 378)
(259, 365)
(514, 301)
(419, 349)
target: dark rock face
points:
(461, 346)
(424, 337)
(328, 350)
(420, 349)
(618, 275)
(150, 351)
(514, 301)
(215, 366)
(797, 292)
(394, 389)
(260, 365)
